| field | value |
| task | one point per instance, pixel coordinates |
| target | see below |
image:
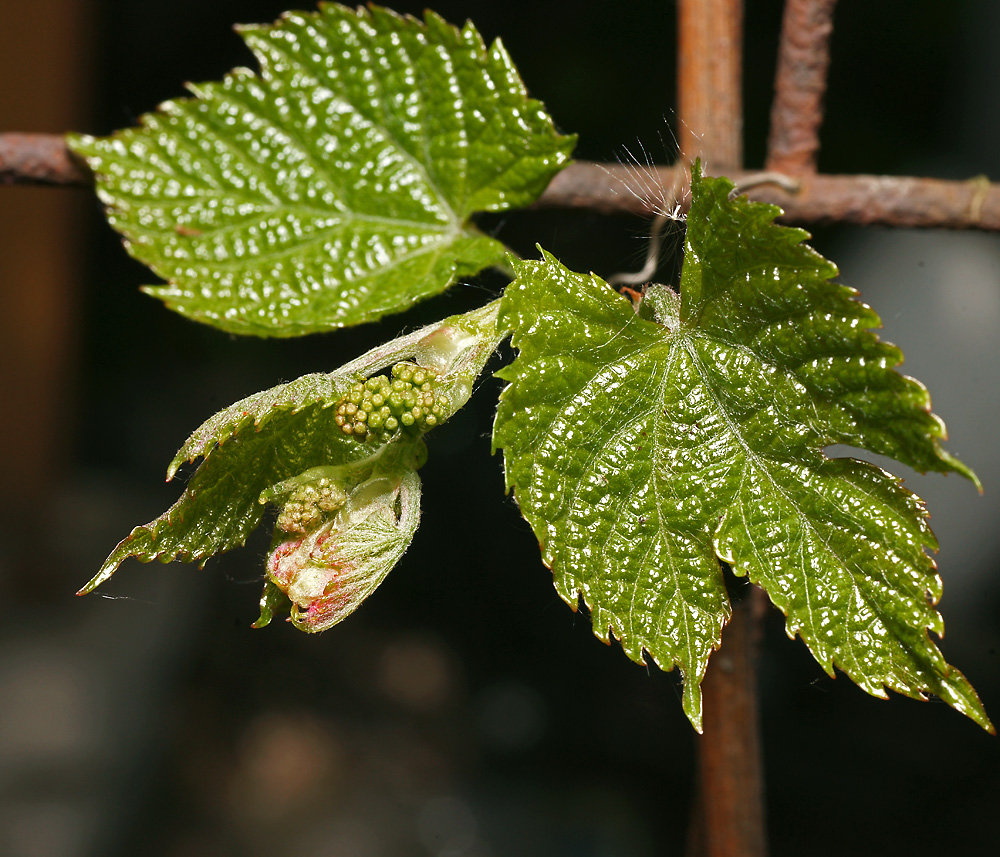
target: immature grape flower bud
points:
(310, 504)
(376, 409)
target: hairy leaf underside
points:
(337, 185)
(646, 446)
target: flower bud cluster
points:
(380, 407)
(310, 504)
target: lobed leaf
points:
(337, 185)
(644, 447)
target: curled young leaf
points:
(343, 504)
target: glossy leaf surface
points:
(336, 186)
(268, 447)
(646, 446)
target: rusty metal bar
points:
(709, 82)
(728, 815)
(799, 85)
(39, 159)
(615, 189)
(861, 199)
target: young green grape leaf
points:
(337, 185)
(348, 501)
(646, 446)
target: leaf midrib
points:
(273, 196)
(445, 240)
(692, 661)
(212, 265)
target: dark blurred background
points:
(464, 710)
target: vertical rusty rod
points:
(44, 63)
(728, 815)
(728, 819)
(799, 86)
(709, 79)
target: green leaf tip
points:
(346, 510)
(644, 448)
(335, 186)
